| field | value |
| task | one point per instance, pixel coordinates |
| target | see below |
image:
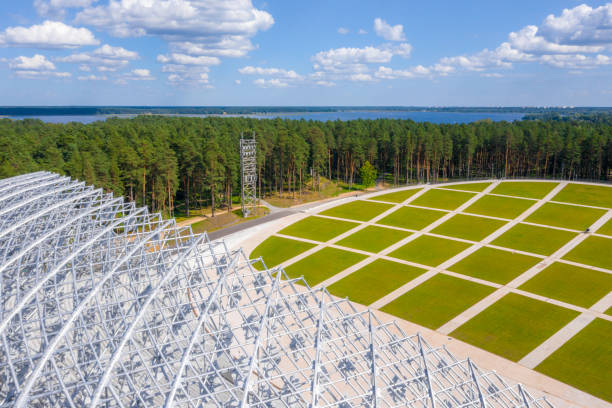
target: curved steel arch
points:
(104, 304)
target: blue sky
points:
(283, 52)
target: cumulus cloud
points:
(389, 32)
(56, 8)
(343, 30)
(278, 72)
(36, 63)
(325, 83)
(338, 57)
(528, 40)
(108, 51)
(101, 63)
(184, 59)
(30, 74)
(361, 77)
(221, 28)
(582, 25)
(92, 78)
(362, 31)
(270, 83)
(50, 34)
(139, 74)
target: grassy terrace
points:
(357, 210)
(437, 300)
(596, 251)
(428, 250)
(494, 265)
(373, 238)
(476, 187)
(374, 281)
(597, 196)
(525, 188)
(531, 238)
(318, 228)
(566, 216)
(442, 199)
(585, 360)
(468, 227)
(411, 218)
(323, 265)
(276, 250)
(570, 284)
(398, 196)
(514, 325)
(502, 207)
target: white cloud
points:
(184, 59)
(403, 50)
(56, 8)
(237, 82)
(492, 75)
(582, 25)
(389, 32)
(108, 51)
(343, 30)
(142, 73)
(349, 56)
(50, 34)
(213, 27)
(92, 78)
(102, 64)
(84, 68)
(362, 31)
(528, 40)
(30, 74)
(576, 61)
(270, 83)
(361, 77)
(278, 72)
(325, 83)
(36, 63)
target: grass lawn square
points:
(411, 218)
(323, 264)
(531, 238)
(609, 311)
(443, 199)
(494, 265)
(529, 189)
(468, 186)
(502, 207)
(373, 239)
(597, 196)
(428, 250)
(514, 325)
(318, 228)
(565, 216)
(606, 229)
(398, 196)
(595, 251)
(468, 227)
(374, 281)
(437, 300)
(276, 250)
(570, 284)
(358, 210)
(584, 361)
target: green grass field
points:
(476, 187)
(318, 228)
(595, 251)
(373, 238)
(585, 360)
(468, 227)
(606, 229)
(276, 250)
(374, 281)
(323, 265)
(565, 216)
(528, 189)
(514, 325)
(411, 218)
(570, 284)
(437, 300)
(358, 210)
(428, 250)
(502, 207)
(443, 199)
(534, 239)
(597, 196)
(494, 265)
(398, 196)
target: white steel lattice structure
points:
(104, 304)
(248, 166)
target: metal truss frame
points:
(248, 168)
(105, 304)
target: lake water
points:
(417, 116)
